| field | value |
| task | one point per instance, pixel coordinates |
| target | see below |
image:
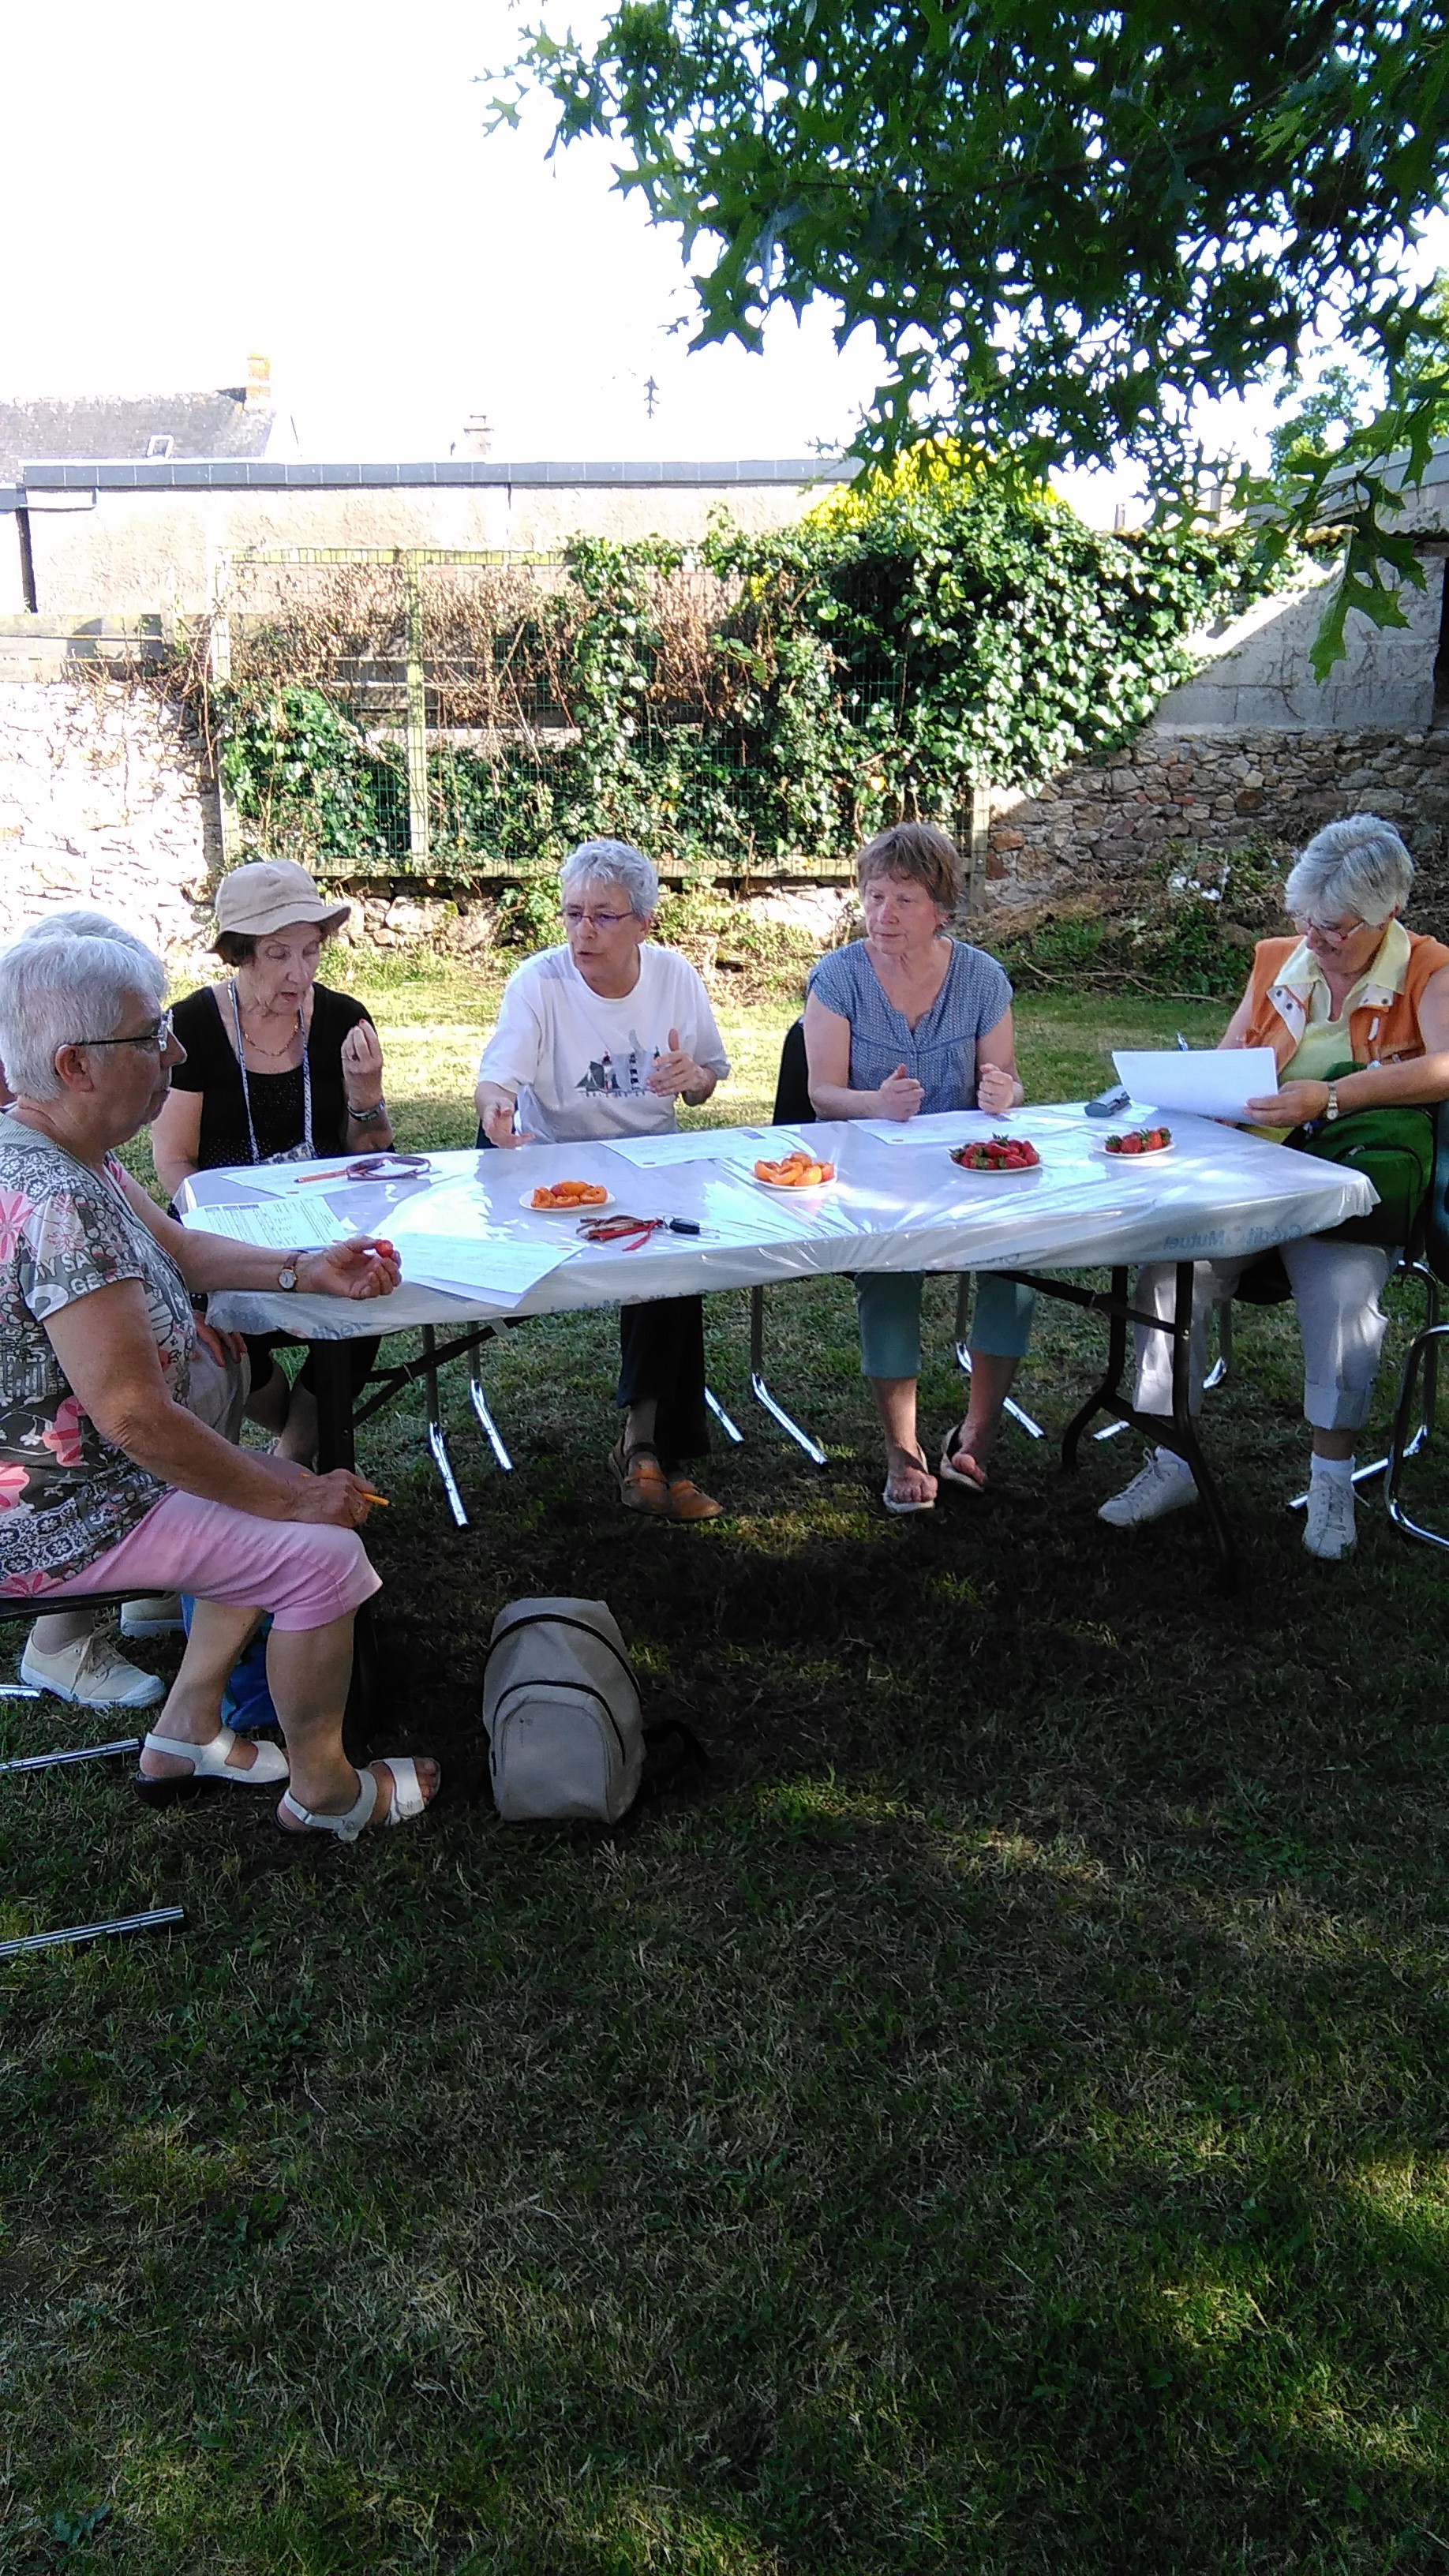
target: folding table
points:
(898, 1203)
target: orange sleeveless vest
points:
(1379, 1032)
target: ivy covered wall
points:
(753, 708)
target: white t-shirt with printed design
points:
(581, 1065)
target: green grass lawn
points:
(996, 2123)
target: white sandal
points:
(893, 1503)
(952, 1475)
(208, 1762)
(407, 1800)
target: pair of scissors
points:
(632, 1231)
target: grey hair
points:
(77, 921)
(56, 991)
(614, 863)
(1359, 865)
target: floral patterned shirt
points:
(66, 1495)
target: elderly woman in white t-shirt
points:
(598, 1039)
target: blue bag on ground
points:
(246, 1702)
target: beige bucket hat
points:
(270, 894)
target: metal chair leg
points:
(437, 1445)
(1023, 1420)
(479, 1402)
(761, 1392)
(1404, 1444)
(730, 1428)
(1222, 1367)
(1409, 1437)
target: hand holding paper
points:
(1214, 1082)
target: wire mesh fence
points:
(466, 718)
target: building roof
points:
(228, 474)
(218, 424)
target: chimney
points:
(259, 383)
(477, 438)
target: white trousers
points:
(1336, 1289)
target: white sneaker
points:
(1156, 1489)
(92, 1674)
(160, 1616)
(1330, 1527)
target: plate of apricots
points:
(796, 1171)
(565, 1198)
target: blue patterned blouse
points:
(941, 1050)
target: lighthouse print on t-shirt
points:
(618, 1077)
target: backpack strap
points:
(561, 1619)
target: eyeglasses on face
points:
(158, 1036)
(1337, 931)
(575, 918)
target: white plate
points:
(1000, 1171)
(792, 1189)
(585, 1207)
(1149, 1153)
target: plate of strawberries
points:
(1132, 1143)
(997, 1155)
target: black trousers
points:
(661, 1348)
(260, 1347)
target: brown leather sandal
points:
(643, 1485)
(688, 1503)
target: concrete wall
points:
(1256, 671)
(154, 549)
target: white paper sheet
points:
(503, 1273)
(297, 1225)
(281, 1180)
(701, 1145)
(941, 1126)
(1201, 1082)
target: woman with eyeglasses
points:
(598, 1039)
(108, 1482)
(278, 1068)
(1351, 989)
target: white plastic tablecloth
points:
(899, 1203)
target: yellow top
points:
(1325, 1040)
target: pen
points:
(369, 1497)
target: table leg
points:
(1180, 1433)
(332, 1380)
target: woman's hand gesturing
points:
(362, 1065)
(996, 1090)
(368, 1266)
(675, 1071)
(900, 1095)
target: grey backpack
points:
(561, 1708)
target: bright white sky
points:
(313, 180)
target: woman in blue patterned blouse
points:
(907, 1020)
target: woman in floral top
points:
(107, 1482)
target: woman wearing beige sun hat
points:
(279, 1068)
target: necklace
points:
(272, 1055)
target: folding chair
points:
(1417, 1406)
(156, 1917)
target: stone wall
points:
(1088, 833)
(101, 802)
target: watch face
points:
(287, 1278)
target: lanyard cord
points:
(241, 1058)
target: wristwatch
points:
(1331, 1112)
(287, 1275)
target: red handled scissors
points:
(632, 1231)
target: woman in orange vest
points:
(1352, 984)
